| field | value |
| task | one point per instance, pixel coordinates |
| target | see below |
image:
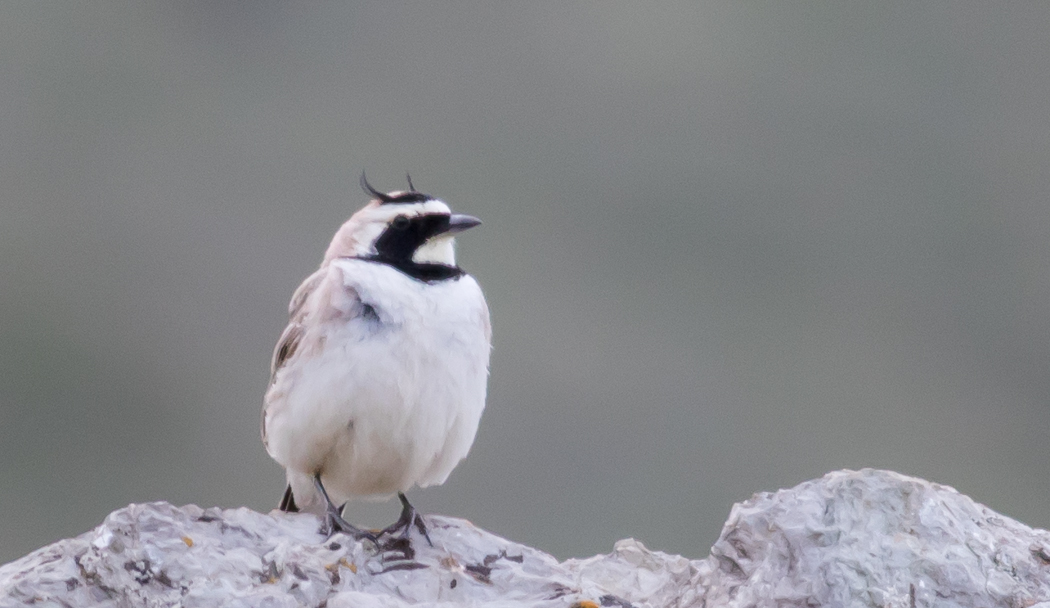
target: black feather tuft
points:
(404, 197)
(367, 187)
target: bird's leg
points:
(333, 517)
(409, 517)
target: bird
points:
(378, 383)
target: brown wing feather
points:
(286, 347)
(292, 335)
(302, 293)
(342, 303)
(288, 343)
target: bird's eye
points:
(400, 222)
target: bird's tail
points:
(288, 501)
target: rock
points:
(874, 538)
(160, 555)
(868, 538)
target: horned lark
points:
(378, 382)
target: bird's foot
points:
(395, 544)
(334, 523)
(409, 517)
(333, 518)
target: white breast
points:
(389, 400)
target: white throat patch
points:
(438, 250)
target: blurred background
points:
(728, 247)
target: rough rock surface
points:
(868, 538)
(160, 555)
(874, 538)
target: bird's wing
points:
(315, 302)
(304, 290)
(293, 333)
(286, 347)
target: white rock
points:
(868, 538)
(874, 538)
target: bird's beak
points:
(458, 223)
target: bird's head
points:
(401, 228)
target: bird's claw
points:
(409, 517)
(334, 523)
(333, 518)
